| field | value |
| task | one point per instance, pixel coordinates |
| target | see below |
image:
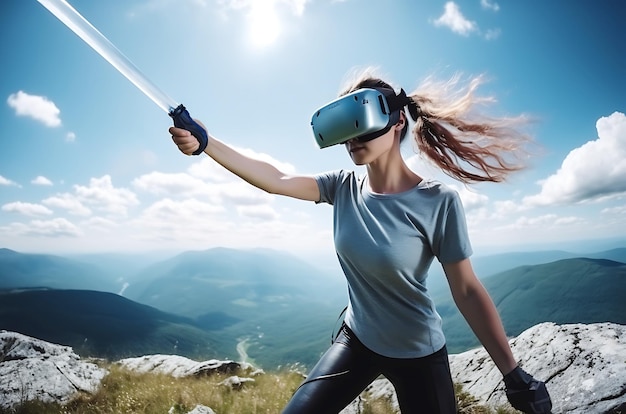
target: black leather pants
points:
(423, 385)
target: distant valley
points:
(202, 304)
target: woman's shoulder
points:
(340, 175)
(435, 188)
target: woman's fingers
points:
(186, 143)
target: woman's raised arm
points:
(258, 173)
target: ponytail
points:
(466, 146)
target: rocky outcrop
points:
(584, 367)
(33, 369)
(178, 366)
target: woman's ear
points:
(401, 122)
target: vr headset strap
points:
(397, 102)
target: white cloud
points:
(7, 182)
(172, 184)
(258, 212)
(58, 227)
(172, 211)
(508, 207)
(208, 180)
(492, 34)
(41, 180)
(27, 209)
(70, 137)
(471, 200)
(617, 211)
(100, 224)
(209, 171)
(453, 19)
(241, 193)
(543, 222)
(486, 4)
(594, 171)
(36, 107)
(101, 195)
(68, 202)
(182, 220)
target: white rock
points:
(176, 366)
(383, 389)
(235, 382)
(355, 407)
(584, 367)
(198, 409)
(34, 369)
(201, 409)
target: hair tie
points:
(402, 100)
(414, 110)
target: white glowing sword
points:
(86, 31)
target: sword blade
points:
(86, 31)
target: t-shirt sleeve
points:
(328, 183)
(452, 244)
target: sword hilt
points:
(183, 120)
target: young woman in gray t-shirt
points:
(389, 225)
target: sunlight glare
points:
(264, 23)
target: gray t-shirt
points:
(385, 244)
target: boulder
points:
(583, 366)
(198, 409)
(235, 382)
(177, 366)
(34, 369)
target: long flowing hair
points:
(451, 132)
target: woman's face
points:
(363, 153)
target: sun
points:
(264, 24)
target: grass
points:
(127, 392)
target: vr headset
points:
(364, 114)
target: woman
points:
(389, 225)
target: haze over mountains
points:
(278, 308)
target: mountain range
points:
(278, 308)
(102, 324)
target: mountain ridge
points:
(578, 290)
(292, 320)
(103, 324)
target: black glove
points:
(526, 393)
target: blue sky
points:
(87, 164)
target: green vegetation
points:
(127, 392)
(202, 304)
(104, 325)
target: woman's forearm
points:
(256, 172)
(262, 174)
(481, 314)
